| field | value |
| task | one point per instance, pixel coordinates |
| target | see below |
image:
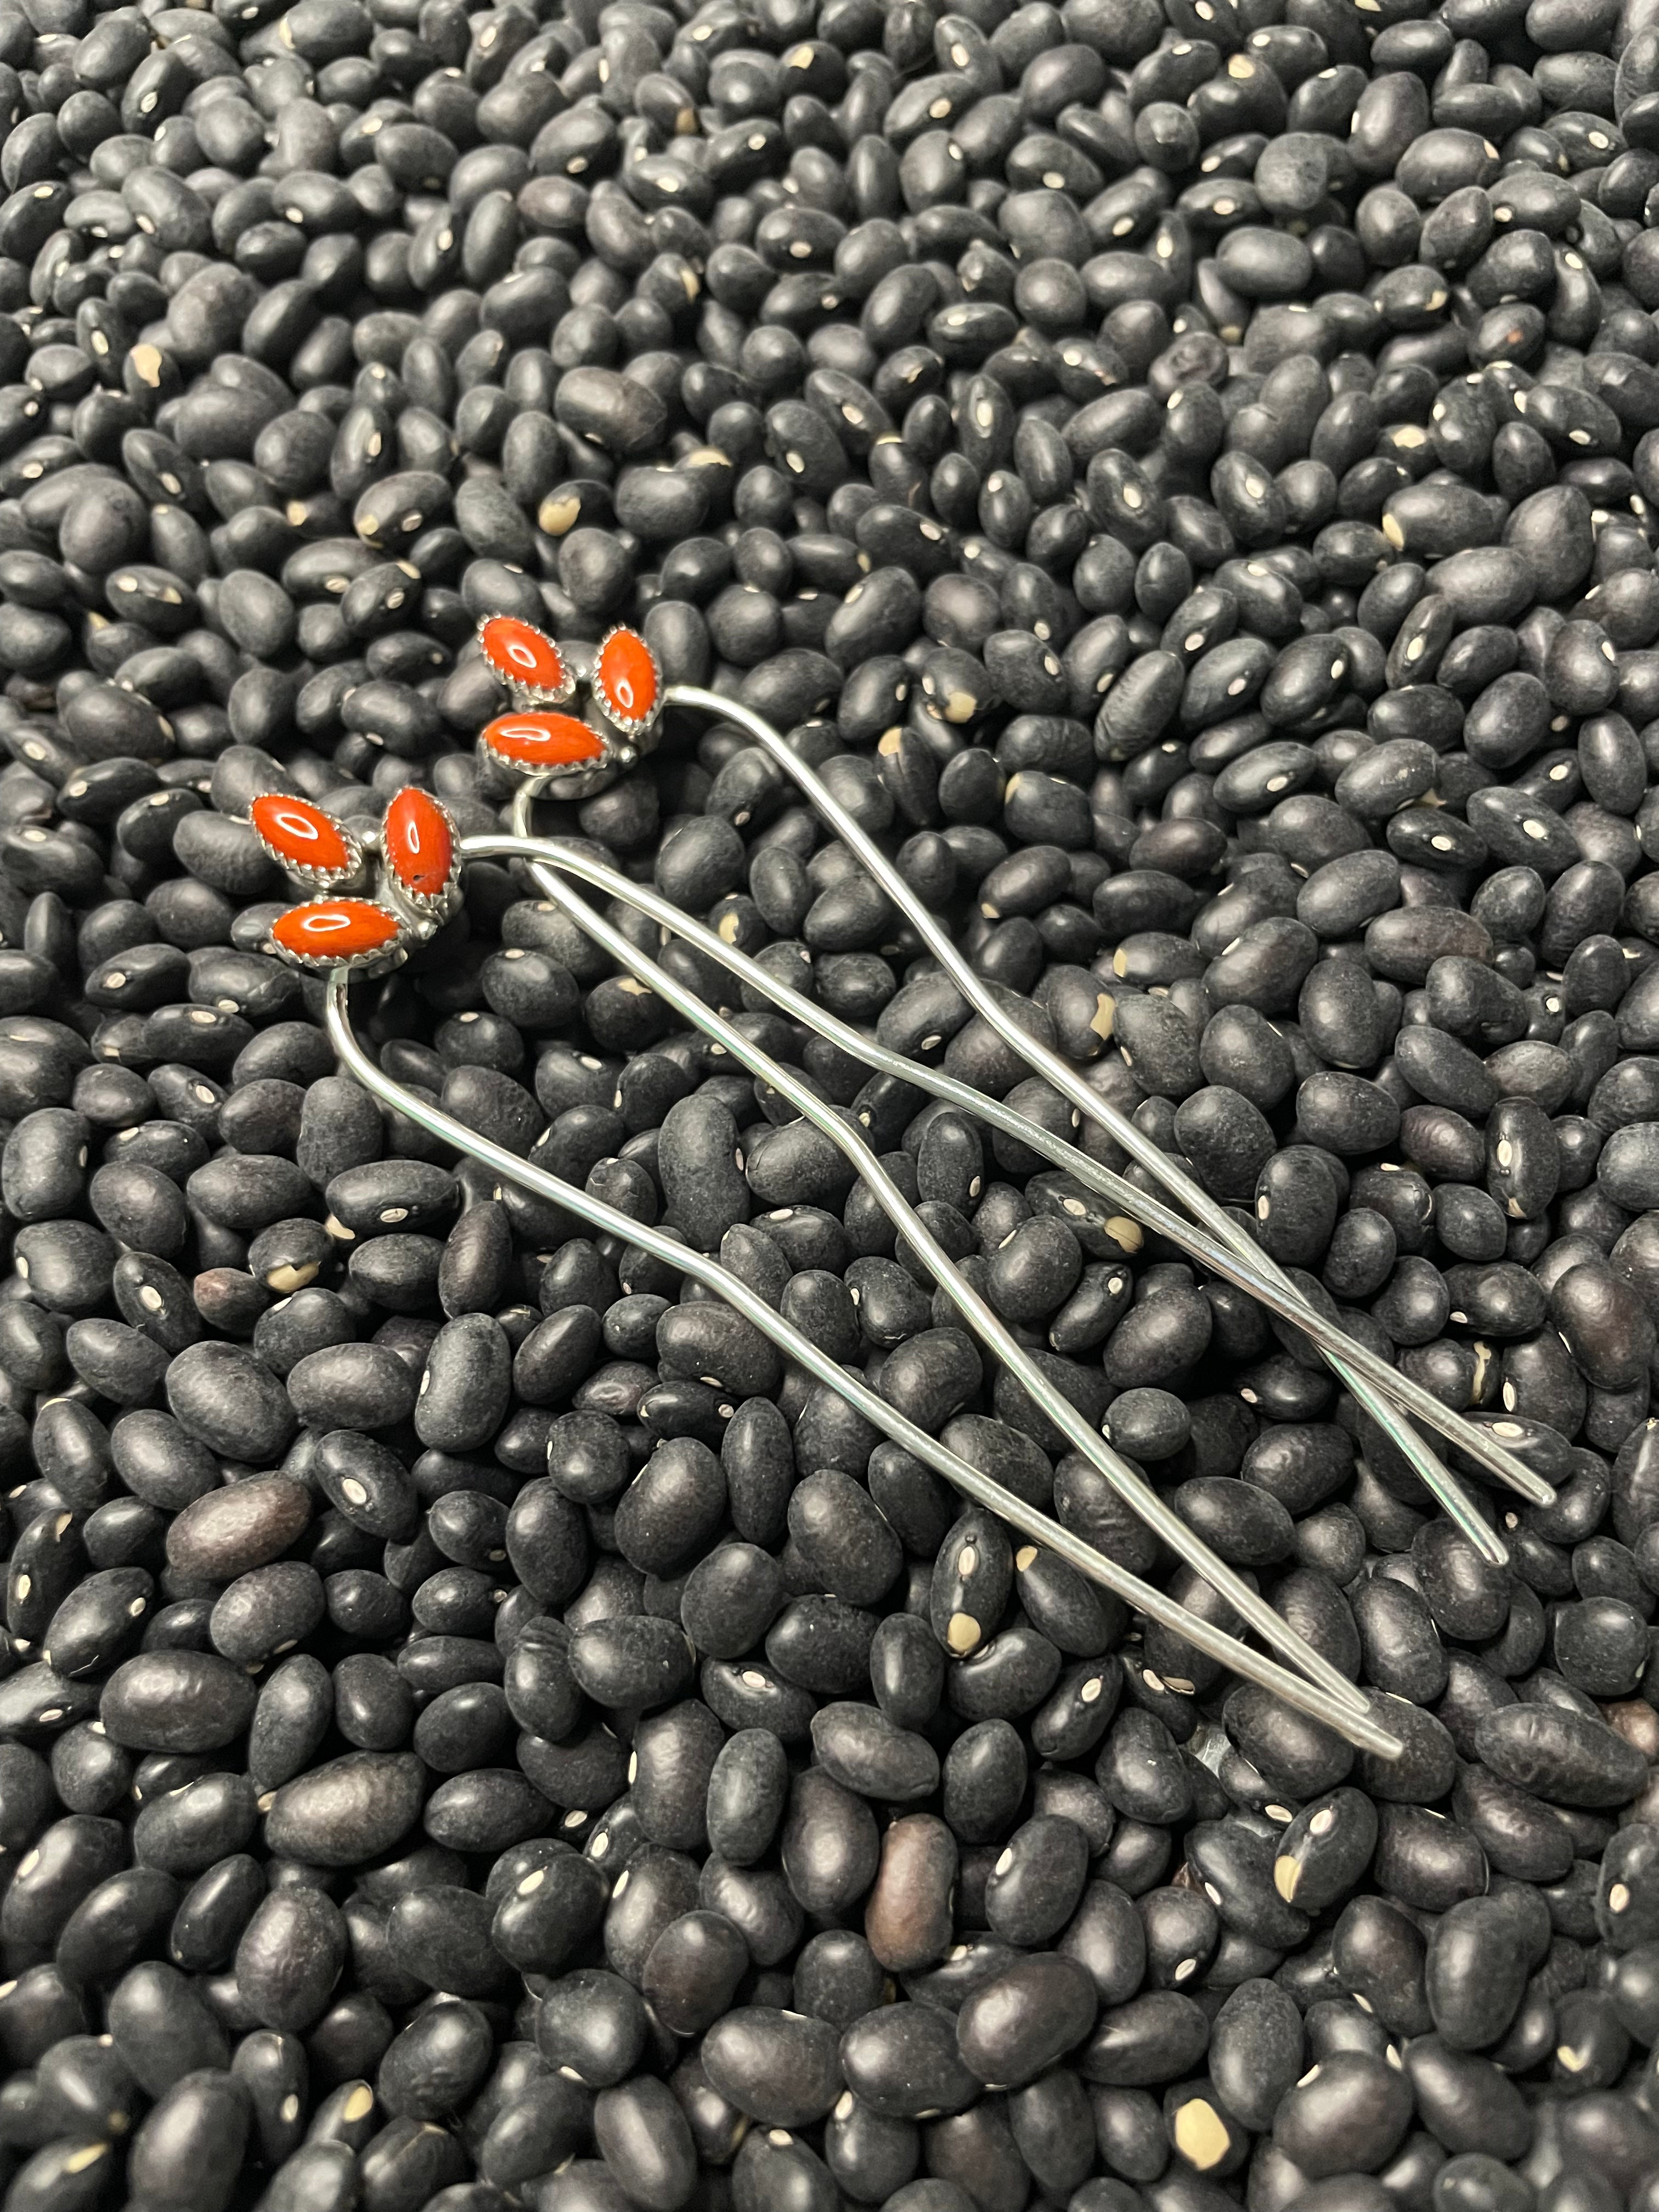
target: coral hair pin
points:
(526, 658)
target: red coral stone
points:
(331, 930)
(300, 834)
(539, 741)
(419, 843)
(522, 655)
(626, 679)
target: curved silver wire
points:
(1372, 1397)
(1358, 1729)
(1137, 1206)
(1129, 1483)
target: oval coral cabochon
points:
(301, 836)
(626, 680)
(520, 653)
(540, 741)
(418, 841)
(329, 930)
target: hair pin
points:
(1374, 1384)
(1350, 1715)
(419, 857)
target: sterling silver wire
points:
(1339, 1714)
(1126, 1481)
(1137, 1208)
(1373, 1398)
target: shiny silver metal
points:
(1126, 1479)
(1137, 1208)
(1376, 1396)
(1357, 1726)
(1215, 1239)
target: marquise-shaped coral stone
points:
(418, 843)
(334, 929)
(301, 833)
(522, 655)
(625, 676)
(537, 741)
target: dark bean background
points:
(476, 1729)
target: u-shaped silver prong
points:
(1137, 1204)
(1130, 1485)
(1377, 1399)
(1349, 1713)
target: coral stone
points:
(626, 679)
(300, 835)
(543, 741)
(520, 653)
(326, 930)
(418, 841)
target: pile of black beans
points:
(478, 1730)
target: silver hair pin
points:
(1138, 1209)
(1364, 1377)
(420, 862)
(360, 945)
(1339, 1713)
(356, 933)
(1376, 1385)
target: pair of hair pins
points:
(421, 857)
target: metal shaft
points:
(1144, 1597)
(1135, 1205)
(1049, 1064)
(1125, 1478)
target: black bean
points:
(902, 2061)
(646, 2141)
(1012, 2028)
(192, 1826)
(1466, 2101)
(672, 1505)
(845, 1541)
(288, 1958)
(591, 2026)
(215, 1912)
(192, 2140)
(347, 1811)
(827, 1844)
(1255, 2051)
(1378, 1954)
(907, 1918)
(176, 1700)
(1348, 2114)
(630, 1662)
(163, 2028)
(112, 1924)
(1560, 1754)
(780, 2067)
